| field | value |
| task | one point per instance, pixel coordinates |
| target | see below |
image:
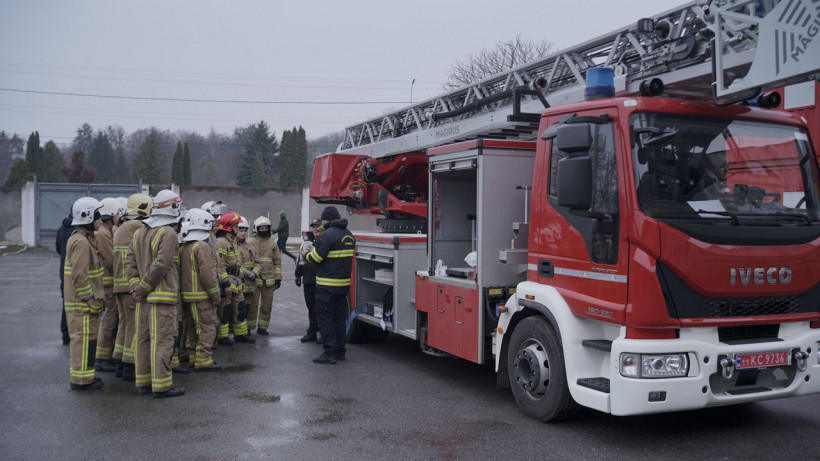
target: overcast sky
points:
(311, 51)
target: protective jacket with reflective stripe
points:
(122, 240)
(230, 262)
(249, 262)
(105, 246)
(270, 260)
(150, 264)
(83, 273)
(198, 280)
(333, 254)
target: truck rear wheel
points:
(538, 378)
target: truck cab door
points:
(582, 252)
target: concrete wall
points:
(250, 202)
(10, 213)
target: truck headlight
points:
(654, 366)
(630, 365)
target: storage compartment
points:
(385, 276)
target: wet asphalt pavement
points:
(387, 401)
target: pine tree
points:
(84, 139)
(18, 175)
(77, 172)
(176, 165)
(286, 159)
(186, 166)
(293, 159)
(149, 164)
(258, 171)
(34, 155)
(52, 164)
(256, 139)
(101, 157)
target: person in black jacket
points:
(333, 256)
(282, 232)
(306, 277)
(63, 233)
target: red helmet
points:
(228, 221)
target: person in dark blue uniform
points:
(63, 233)
(332, 255)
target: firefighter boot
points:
(245, 339)
(93, 386)
(105, 365)
(120, 366)
(172, 392)
(225, 341)
(129, 372)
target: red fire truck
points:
(629, 225)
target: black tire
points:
(534, 341)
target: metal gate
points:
(52, 203)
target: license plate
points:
(762, 360)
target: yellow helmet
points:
(139, 206)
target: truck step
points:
(600, 344)
(596, 384)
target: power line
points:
(236, 101)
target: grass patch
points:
(7, 249)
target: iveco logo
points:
(760, 275)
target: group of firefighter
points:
(172, 283)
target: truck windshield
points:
(723, 171)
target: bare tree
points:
(504, 56)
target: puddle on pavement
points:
(239, 368)
(322, 437)
(260, 397)
(328, 416)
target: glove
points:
(242, 311)
(249, 274)
(227, 313)
(298, 282)
(277, 284)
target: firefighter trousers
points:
(231, 302)
(310, 302)
(156, 328)
(239, 320)
(107, 335)
(332, 310)
(82, 329)
(259, 315)
(126, 330)
(201, 333)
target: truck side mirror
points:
(575, 182)
(573, 138)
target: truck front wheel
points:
(535, 365)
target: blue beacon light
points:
(600, 83)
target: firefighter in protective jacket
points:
(230, 279)
(138, 208)
(200, 289)
(154, 280)
(109, 215)
(84, 294)
(333, 256)
(269, 271)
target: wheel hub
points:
(532, 371)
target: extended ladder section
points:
(729, 50)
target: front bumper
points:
(705, 386)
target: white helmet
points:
(183, 229)
(110, 208)
(191, 235)
(261, 221)
(167, 209)
(199, 220)
(243, 223)
(215, 208)
(83, 210)
(123, 205)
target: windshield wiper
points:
(732, 216)
(793, 215)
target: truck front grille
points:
(744, 307)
